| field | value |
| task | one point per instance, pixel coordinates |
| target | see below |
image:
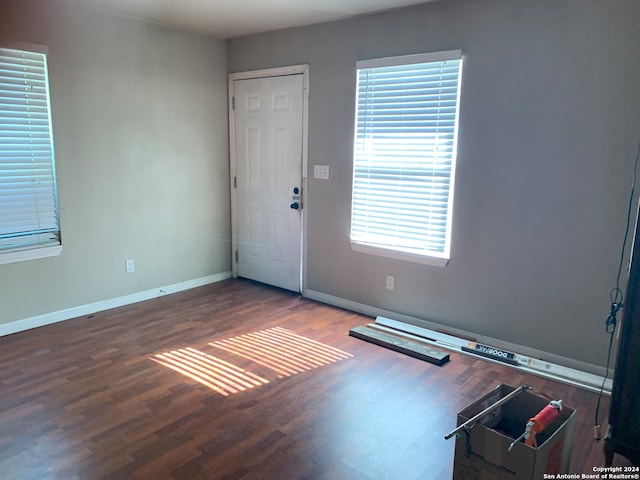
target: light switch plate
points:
(321, 172)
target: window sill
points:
(31, 254)
(400, 255)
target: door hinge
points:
(233, 103)
(235, 182)
(236, 256)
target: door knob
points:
(295, 205)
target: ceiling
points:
(234, 18)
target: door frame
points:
(303, 70)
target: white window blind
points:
(28, 196)
(404, 153)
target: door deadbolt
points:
(295, 198)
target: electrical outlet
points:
(391, 281)
(321, 172)
(130, 266)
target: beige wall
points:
(140, 131)
(549, 124)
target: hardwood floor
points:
(104, 396)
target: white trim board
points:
(74, 312)
(555, 367)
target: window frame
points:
(422, 256)
(38, 249)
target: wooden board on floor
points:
(408, 347)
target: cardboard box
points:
(482, 452)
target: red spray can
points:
(541, 421)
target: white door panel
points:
(268, 157)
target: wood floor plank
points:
(85, 398)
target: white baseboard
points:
(552, 366)
(74, 312)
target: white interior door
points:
(268, 130)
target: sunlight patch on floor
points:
(220, 376)
(277, 349)
(282, 351)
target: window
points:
(404, 156)
(29, 226)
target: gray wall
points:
(550, 120)
(141, 139)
